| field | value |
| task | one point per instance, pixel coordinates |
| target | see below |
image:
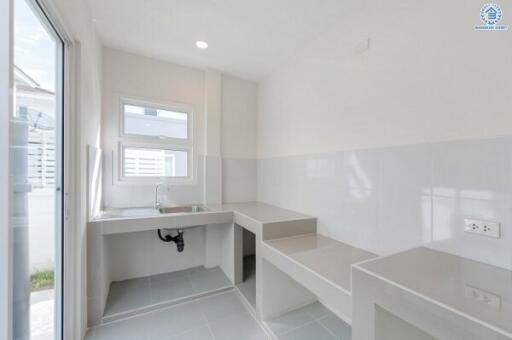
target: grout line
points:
(160, 307)
(314, 320)
(291, 237)
(329, 331)
(155, 305)
(298, 327)
(210, 330)
(204, 319)
(252, 312)
(329, 313)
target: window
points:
(139, 162)
(155, 142)
(153, 121)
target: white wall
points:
(224, 126)
(239, 120)
(135, 76)
(239, 144)
(129, 75)
(360, 137)
(155, 257)
(427, 76)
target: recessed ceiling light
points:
(201, 44)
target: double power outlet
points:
(484, 228)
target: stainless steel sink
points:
(177, 209)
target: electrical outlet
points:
(484, 228)
(482, 296)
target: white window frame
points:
(127, 140)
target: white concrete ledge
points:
(321, 265)
(434, 293)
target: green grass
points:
(42, 280)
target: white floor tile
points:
(176, 320)
(317, 310)
(236, 327)
(202, 333)
(168, 290)
(313, 321)
(137, 328)
(125, 296)
(311, 331)
(248, 289)
(221, 306)
(289, 321)
(209, 280)
(337, 327)
(227, 319)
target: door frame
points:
(71, 288)
(6, 104)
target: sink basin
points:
(176, 209)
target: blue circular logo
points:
(491, 14)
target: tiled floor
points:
(223, 317)
(218, 317)
(129, 295)
(248, 287)
(310, 322)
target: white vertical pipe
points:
(213, 162)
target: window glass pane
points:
(140, 162)
(149, 121)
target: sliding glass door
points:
(36, 175)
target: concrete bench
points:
(322, 268)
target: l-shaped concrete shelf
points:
(420, 291)
(320, 264)
(251, 215)
(118, 221)
(264, 220)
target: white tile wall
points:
(238, 180)
(389, 199)
(143, 195)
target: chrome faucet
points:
(157, 201)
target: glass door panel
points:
(36, 181)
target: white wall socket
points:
(485, 228)
(482, 296)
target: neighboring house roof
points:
(27, 87)
(26, 83)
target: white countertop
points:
(120, 220)
(326, 257)
(260, 212)
(116, 213)
(453, 282)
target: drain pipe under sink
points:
(178, 239)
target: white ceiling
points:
(247, 38)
